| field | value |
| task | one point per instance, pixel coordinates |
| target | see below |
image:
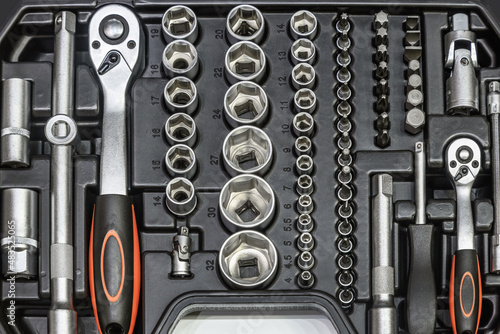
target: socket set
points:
(160, 159)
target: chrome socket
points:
(305, 185)
(246, 103)
(303, 146)
(305, 101)
(245, 61)
(305, 261)
(180, 58)
(303, 124)
(303, 76)
(245, 23)
(180, 128)
(181, 161)
(16, 110)
(304, 165)
(303, 51)
(181, 95)
(305, 242)
(247, 149)
(305, 204)
(248, 260)
(179, 22)
(19, 233)
(180, 197)
(247, 202)
(305, 280)
(305, 223)
(303, 24)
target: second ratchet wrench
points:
(463, 162)
(117, 52)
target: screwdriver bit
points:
(383, 139)
(381, 54)
(381, 37)
(414, 121)
(382, 71)
(382, 87)
(383, 122)
(343, 24)
(381, 20)
(382, 104)
(412, 23)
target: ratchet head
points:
(463, 162)
(116, 46)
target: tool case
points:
(282, 195)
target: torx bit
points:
(382, 71)
(381, 54)
(383, 122)
(382, 87)
(381, 20)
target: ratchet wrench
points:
(463, 162)
(116, 46)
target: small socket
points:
(247, 149)
(305, 185)
(245, 23)
(179, 22)
(181, 161)
(305, 204)
(303, 24)
(305, 261)
(181, 198)
(181, 95)
(247, 202)
(305, 101)
(180, 128)
(304, 165)
(303, 146)
(245, 61)
(305, 223)
(303, 51)
(305, 280)
(246, 103)
(303, 124)
(305, 242)
(248, 260)
(180, 58)
(303, 76)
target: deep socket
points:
(16, 110)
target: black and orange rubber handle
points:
(114, 264)
(465, 292)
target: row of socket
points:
(345, 192)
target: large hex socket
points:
(246, 202)
(245, 23)
(179, 22)
(246, 103)
(180, 58)
(16, 110)
(19, 232)
(181, 95)
(303, 24)
(180, 128)
(245, 61)
(247, 149)
(181, 161)
(248, 260)
(180, 197)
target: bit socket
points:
(344, 228)
(344, 141)
(345, 278)
(382, 71)
(343, 25)
(343, 75)
(344, 109)
(414, 99)
(345, 262)
(381, 37)
(345, 245)
(382, 104)
(346, 297)
(381, 54)
(344, 92)
(344, 125)
(345, 175)
(343, 41)
(345, 158)
(383, 122)
(343, 57)
(414, 121)
(383, 139)
(381, 20)
(382, 87)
